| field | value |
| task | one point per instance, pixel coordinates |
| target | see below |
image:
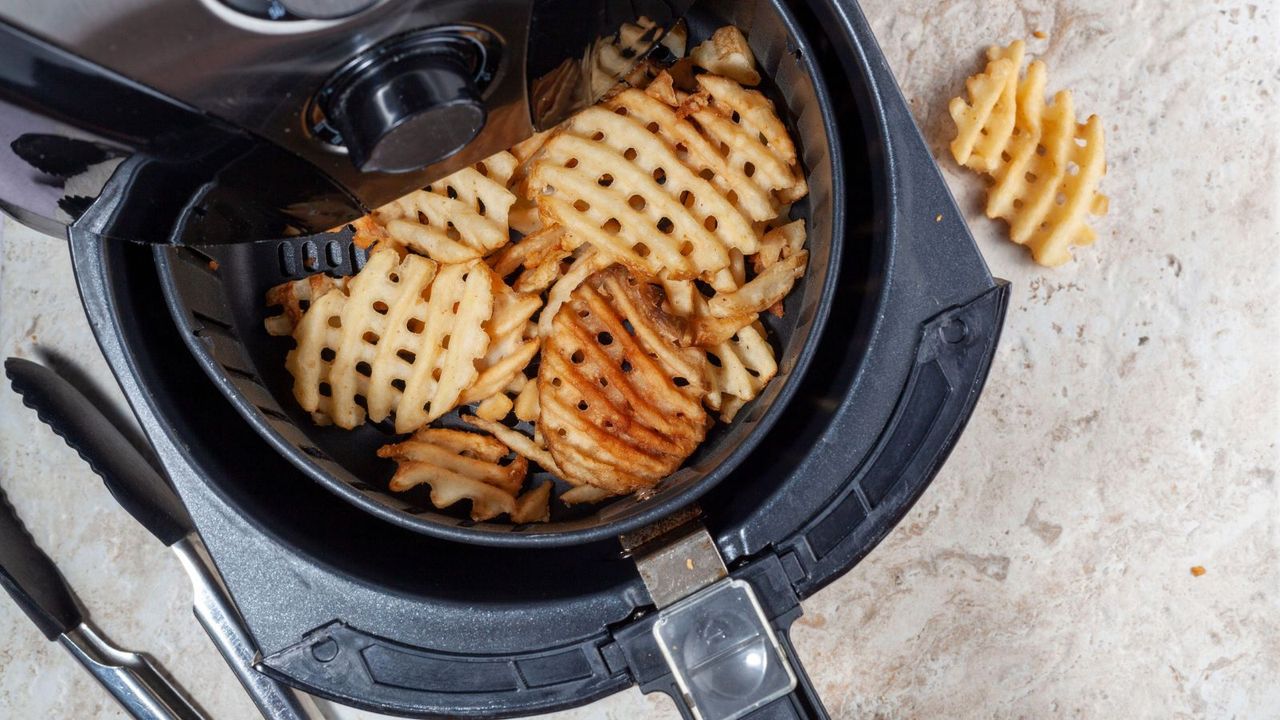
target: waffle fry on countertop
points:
(1045, 167)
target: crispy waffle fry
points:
(727, 53)
(744, 123)
(522, 445)
(619, 399)
(612, 183)
(383, 347)
(534, 505)
(459, 466)
(293, 299)
(585, 494)
(1046, 167)
(459, 218)
(743, 365)
(764, 290)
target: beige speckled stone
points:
(1128, 431)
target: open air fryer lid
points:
(372, 615)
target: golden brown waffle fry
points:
(743, 365)
(383, 347)
(619, 399)
(533, 505)
(744, 123)
(726, 53)
(611, 182)
(1046, 167)
(526, 404)
(458, 466)
(293, 298)
(459, 218)
(522, 445)
(764, 290)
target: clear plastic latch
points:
(723, 652)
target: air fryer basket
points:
(220, 307)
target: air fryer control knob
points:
(406, 107)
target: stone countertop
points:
(1128, 431)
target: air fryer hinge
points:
(676, 556)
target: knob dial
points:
(401, 108)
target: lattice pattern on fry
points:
(412, 338)
(293, 298)
(1046, 167)
(459, 218)
(619, 398)
(460, 466)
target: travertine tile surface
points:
(1128, 431)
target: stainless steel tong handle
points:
(134, 682)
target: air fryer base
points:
(371, 615)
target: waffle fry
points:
(727, 53)
(495, 407)
(526, 404)
(522, 445)
(743, 365)
(460, 218)
(459, 466)
(744, 122)
(383, 347)
(534, 505)
(294, 298)
(1046, 167)
(619, 399)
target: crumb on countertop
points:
(1197, 570)
(1040, 34)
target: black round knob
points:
(406, 107)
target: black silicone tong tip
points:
(134, 482)
(31, 578)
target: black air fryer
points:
(166, 135)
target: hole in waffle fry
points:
(605, 180)
(407, 355)
(450, 192)
(636, 202)
(665, 226)
(435, 374)
(480, 208)
(1031, 177)
(326, 390)
(714, 359)
(629, 154)
(686, 248)
(398, 384)
(557, 382)
(641, 249)
(626, 366)
(364, 368)
(748, 168)
(621, 111)
(571, 163)
(415, 326)
(380, 307)
(653, 127)
(598, 136)
(577, 357)
(604, 382)
(334, 321)
(660, 176)
(581, 205)
(393, 277)
(444, 342)
(711, 223)
(582, 405)
(452, 233)
(370, 337)
(680, 382)
(612, 226)
(328, 354)
(604, 338)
